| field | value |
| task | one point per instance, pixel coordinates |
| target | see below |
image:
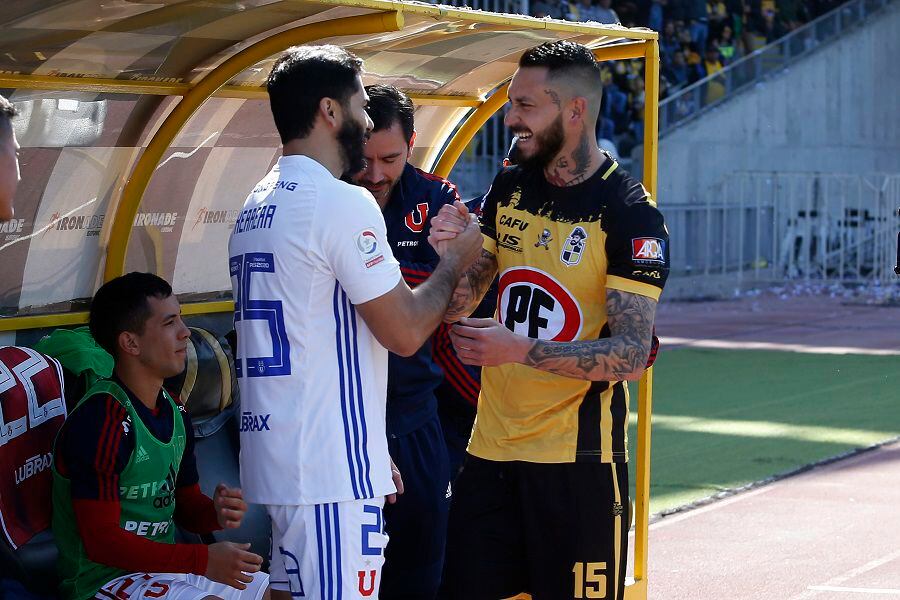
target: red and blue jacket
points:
(416, 198)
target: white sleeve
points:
(355, 245)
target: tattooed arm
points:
(623, 356)
(472, 287)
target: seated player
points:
(125, 472)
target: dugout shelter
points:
(144, 124)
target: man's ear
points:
(412, 142)
(329, 110)
(128, 343)
(578, 107)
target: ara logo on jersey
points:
(573, 248)
(648, 250)
(535, 304)
(415, 220)
(367, 244)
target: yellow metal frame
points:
(100, 85)
(81, 318)
(143, 170)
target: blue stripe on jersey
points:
(328, 541)
(337, 542)
(362, 412)
(321, 553)
(354, 399)
(340, 362)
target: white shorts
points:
(178, 586)
(328, 551)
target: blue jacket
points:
(417, 197)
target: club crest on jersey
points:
(648, 250)
(415, 220)
(544, 240)
(367, 245)
(366, 589)
(573, 248)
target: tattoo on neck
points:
(572, 170)
(582, 158)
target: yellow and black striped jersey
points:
(558, 250)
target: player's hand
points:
(465, 247)
(487, 343)
(398, 483)
(450, 221)
(230, 506)
(230, 563)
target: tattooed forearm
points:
(619, 357)
(472, 288)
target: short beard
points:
(549, 142)
(352, 140)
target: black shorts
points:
(555, 531)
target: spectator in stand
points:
(694, 63)
(772, 27)
(698, 18)
(548, 8)
(678, 72)
(718, 16)
(668, 43)
(712, 64)
(653, 14)
(726, 45)
(604, 12)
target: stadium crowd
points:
(697, 38)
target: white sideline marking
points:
(771, 429)
(836, 581)
(802, 348)
(833, 588)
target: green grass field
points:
(726, 418)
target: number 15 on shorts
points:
(590, 579)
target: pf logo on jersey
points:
(535, 304)
(415, 220)
(648, 251)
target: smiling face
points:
(386, 154)
(535, 116)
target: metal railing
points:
(693, 100)
(772, 227)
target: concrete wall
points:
(837, 110)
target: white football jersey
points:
(305, 250)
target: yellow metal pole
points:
(645, 389)
(621, 51)
(468, 130)
(206, 87)
(81, 318)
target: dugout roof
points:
(144, 123)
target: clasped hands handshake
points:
(480, 342)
